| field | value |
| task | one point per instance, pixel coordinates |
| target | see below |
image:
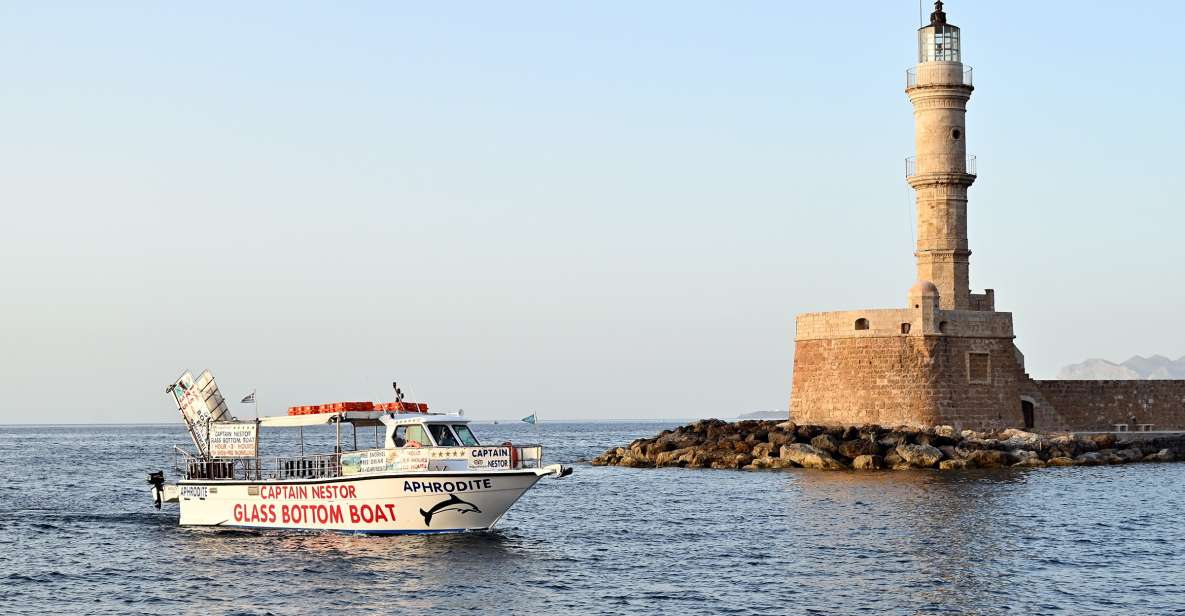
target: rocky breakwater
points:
(756, 445)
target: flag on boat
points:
(250, 398)
(529, 418)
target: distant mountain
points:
(1155, 368)
(766, 415)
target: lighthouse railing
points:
(915, 166)
(912, 81)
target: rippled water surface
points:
(79, 535)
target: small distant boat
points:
(429, 473)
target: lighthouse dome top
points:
(939, 41)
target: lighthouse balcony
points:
(940, 74)
(920, 165)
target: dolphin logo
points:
(453, 503)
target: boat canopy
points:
(358, 418)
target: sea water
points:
(79, 535)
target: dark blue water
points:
(78, 535)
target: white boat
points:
(427, 474)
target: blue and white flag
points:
(249, 399)
(529, 418)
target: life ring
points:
(413, 444)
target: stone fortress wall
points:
(1099, 405)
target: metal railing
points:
(319, 466)
(941, 164)
(911, 78)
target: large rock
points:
(632, 460)
(1066, 445)
(740, 446)
(967, 446)
(990, 458)
(699, 459)
(1105, 441)
(763, 450)
(954, 465)
(1061, 461)
(857, 448)
(757, 436)
(732, 461)
(778, 439)
(1164, 455)
(804, 434)
(1092, 458)
(894, 439)
(826, 442)
(947, 432)
(1019, 439)
(678, 457)
(1130, 455)
(807, 456)
(868, 463)
(1024, 456)
(919, 456)
(1029, 459)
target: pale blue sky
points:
(593, 210)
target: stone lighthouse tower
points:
(947, 357)
(939, 88)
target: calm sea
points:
(78, 535)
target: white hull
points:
(381, 503)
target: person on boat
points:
(443, 436)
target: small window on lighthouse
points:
(861, 324)
(956, 134)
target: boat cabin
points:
(402, 441)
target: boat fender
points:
(157, 481)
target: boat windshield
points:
(466, 435)
(443, 436)
(410, 435)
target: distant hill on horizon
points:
(1155, 368)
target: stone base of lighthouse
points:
(917, 366)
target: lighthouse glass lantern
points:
(939, 41)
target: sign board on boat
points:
(424, 459)
(233, 439)
(379, 460)
(200, 404)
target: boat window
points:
(466, 435)
(406, 435)
(444, 437)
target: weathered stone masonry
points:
(1098, 405)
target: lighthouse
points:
(941, 172)
(947, 357)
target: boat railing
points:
(529, 456)
(329, 466)
(265, 468)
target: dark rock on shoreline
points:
(759, 445)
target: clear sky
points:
(605, 209)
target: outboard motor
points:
(157, 481)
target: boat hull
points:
(382, 503)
